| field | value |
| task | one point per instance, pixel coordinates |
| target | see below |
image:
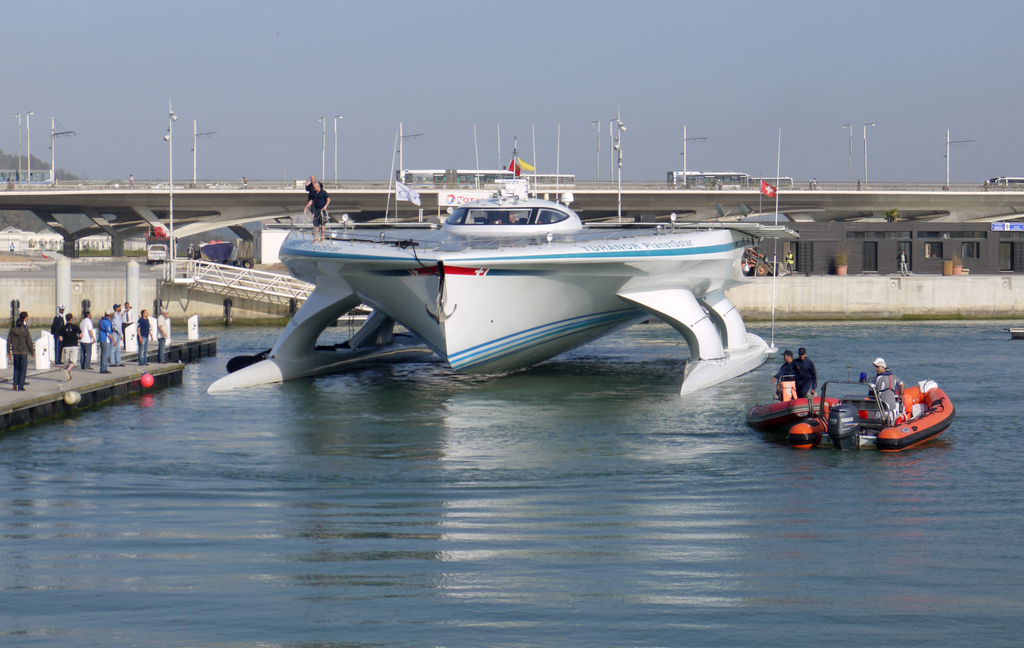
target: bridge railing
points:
(579, 185)
(243, 282)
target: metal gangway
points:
(229, 280)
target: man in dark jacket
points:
(785, 374)
(19, 346)
(806, 375)
(55, 329)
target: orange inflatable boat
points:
(860, 421)
(782, 415)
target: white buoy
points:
(72, 397)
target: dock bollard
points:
(227, 312)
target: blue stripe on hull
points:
(524, 340)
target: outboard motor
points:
(844, 427)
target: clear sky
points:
(260, 73)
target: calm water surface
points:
(581, 503)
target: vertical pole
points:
(53, 137)
(195, 140)
(28, 141)
(947, 158)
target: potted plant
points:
(958, 264)
(842, 259)
(892, 215)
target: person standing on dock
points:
(142, 331)
(87, 340)
(162, 333)
(806, 374)
(115, 343)
(902, 259)
(19, 347)
(69, 338)
(55, 326)
(106, 338)
(127, 317)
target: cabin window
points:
(1006, 256)
(548, 216)
(933, 250)
(489, 216)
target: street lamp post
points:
(18, 117)
(336, 118)
(598, 124)
(618, 151)
(54, 134)
(866, 153)
(195, 145)
(685, 140)
(171, 118)
(323, 151)
(28, 144)
(948, 142)
(850, 182)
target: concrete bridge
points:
(124, 211)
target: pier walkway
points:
(47, 392)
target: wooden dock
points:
(47, 393)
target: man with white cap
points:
(888, 387)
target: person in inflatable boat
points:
(890, 391)
(786, 375)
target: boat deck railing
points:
(407, 235)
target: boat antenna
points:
(775, 253)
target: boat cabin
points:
(512, 218)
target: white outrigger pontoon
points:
(509, 282)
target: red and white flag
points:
(767, 189)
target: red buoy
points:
(146, 380)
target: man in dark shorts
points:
(317, 203)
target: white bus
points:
(450, 178)
(706, 180)
(1006, 182)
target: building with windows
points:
(873, 247)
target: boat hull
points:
(782, 416)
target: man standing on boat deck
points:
(806, 375)
(318, 202)
(888, 387)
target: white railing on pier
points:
(242, 282)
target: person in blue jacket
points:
(106, 338)
(806, 375)
(785, 374)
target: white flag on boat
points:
(403, 192)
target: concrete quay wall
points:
(887, 297)
(36, 295)
(797, 297)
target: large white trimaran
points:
(508, 282)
